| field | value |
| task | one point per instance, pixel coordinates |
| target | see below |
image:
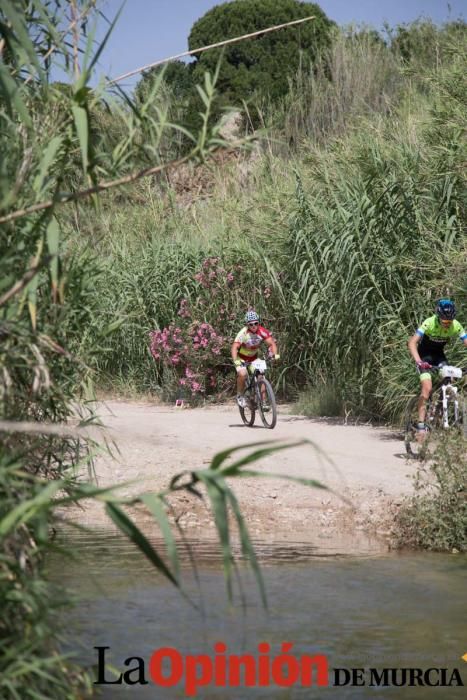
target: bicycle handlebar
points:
(268, 360)
(433, 368)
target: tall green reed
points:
(353, 238)
(57, 148)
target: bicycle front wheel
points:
(463, 415)
(249, 411)
(416, 442)
(266, 403)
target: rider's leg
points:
(426, 386)
(241, 380)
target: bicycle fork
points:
(449, 393)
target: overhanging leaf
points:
(217, 497)
(11, 96)
(30, 508)
(45, 165)
(156, 506)
(247, 547)
(82, 129)
(53, 238)
(128, 528)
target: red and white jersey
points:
(250, 342)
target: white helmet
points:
(251, 316)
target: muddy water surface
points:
(366, 611)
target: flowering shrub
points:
(192, 350)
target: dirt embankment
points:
(363, 464)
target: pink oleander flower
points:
(182, 382)
(184, 309)
(230, 278)
(189, 373)
(209, 262)
(196, 386)
(204, 342)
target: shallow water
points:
(397, 610)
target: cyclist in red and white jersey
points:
(245, 350)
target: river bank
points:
(363, 466)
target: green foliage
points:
(30, 666)
(345, 241)
(378, 234)
(324, 399)
(146, 282)
(177, 76)
(56, 141)
(422, 44)
(435, 517)
(356, 77)
(264, 64)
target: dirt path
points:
(368, 468)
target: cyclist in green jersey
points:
(427, 348)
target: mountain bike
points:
(259, 396)
(445, 409)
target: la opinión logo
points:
(167, 667)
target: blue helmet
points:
(446, 309)
(251, 317)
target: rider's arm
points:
(272, 347)
(413, 346)
(234, 351)
(417, 336)
(462, 334)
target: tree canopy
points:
(263, 64)
(176, 74)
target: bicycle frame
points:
(253, 378)
(447, 391)
(446, 408)
(260, 396)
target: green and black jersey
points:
(434, 336)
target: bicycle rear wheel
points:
(461, 418)
(248, 412)
(266, 403)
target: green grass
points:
(435, 517)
